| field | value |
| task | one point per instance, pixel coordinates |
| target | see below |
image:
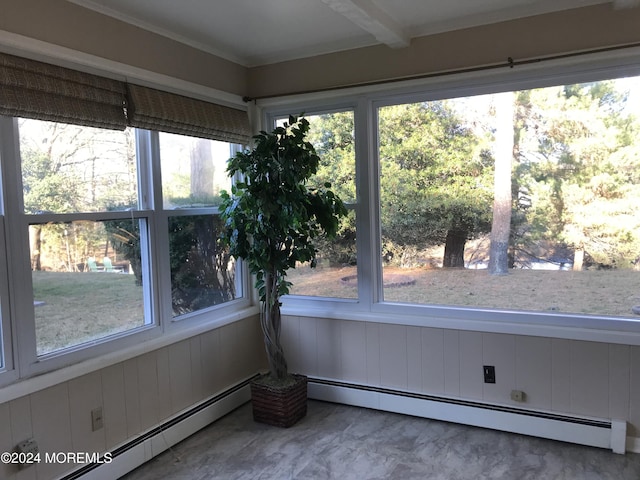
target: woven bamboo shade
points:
(42, 91)
(167, 112)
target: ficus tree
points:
(272, 219)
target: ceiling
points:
(259, 32)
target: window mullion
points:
(153, 242)
(17, 247)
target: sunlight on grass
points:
(597, 292)
(82, 307)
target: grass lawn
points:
(81, 307)
(599, 292)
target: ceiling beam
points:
(371, 18)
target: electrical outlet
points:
(518, 396)
(489, 374)
(28, 446)
(28, 453)
(96, 419)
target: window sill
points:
(618, 330)
(34, 384)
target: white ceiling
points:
(258, 32)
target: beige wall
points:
(543, 35)
(136, 395)
(66, 24)
(565, 376)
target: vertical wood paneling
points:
(148, 390)
(210, 357)
(499, 350)
(164, 383)
(414, 359)
(589, 378)
(85, 394)
(433, 360)
(114, 405)
(329, 348)
(354, 351)
(471, 379)
(634, 392)
(619, 381)
(393, 356)
(228, 352)
(372, 333)
(308, 362)
(251, 347)
(561, 375)
(197, 387)
(451, 355)
(6, 441)
(533, 370)
(52, 426)
(290, 339)
(21, 430)
(180, 375)
(131, 397)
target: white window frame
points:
(18, 323)
(366, 101)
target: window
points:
(108, 228)
(335, 274)
(203, 274)
(572, 219)
(430, 163)
(79, 185)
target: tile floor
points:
(342, 442)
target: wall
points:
(543, 35)
(565, 376)
(65, 24)
(136, 395)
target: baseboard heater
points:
(151, 443)
(603, 433)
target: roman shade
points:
(42, 91)
(167, 112)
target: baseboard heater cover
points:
(603, 433)
(151, 443)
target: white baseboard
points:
(603, 433)
(609, 434)
(633, 444)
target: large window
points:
(569, 237)
(335, 274)
(511, 207)
(193, 174)
(79, 185)
(110, 229)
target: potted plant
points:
(270, 221)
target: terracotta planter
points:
(279, 406)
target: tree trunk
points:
(36, 249)
(202, 169)
(578, 260)
(454, 249)
(501, 224)
(270, 319)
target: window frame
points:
(18, 321)
(366, 101)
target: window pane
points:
(194, 170)
(87, 281)
(332, 135)
(203, 274)
(68, 169)
(335, 274)
(565, 223)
